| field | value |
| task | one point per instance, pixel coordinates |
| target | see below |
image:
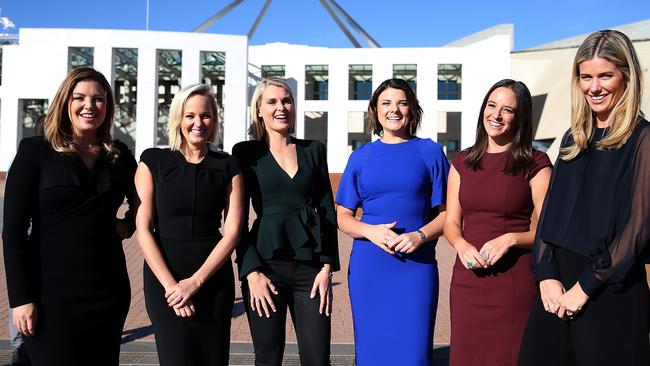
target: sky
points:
(392, 23)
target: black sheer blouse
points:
(598, 205)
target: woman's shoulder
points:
(251, 147)
(540, 157)
(34, 143)
(155, 154)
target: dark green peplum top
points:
(295, 216)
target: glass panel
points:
(125, 87)
(0, 65)
(449, 132)
(80, 57)
(169, 81)
(357, 130)
(273, 70)
(316, 82)
(31, 113)
(316, 126)
(407, 72)
(449, 81)
(213, 73)
(360, 82)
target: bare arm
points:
(144, 186)
(179, 294)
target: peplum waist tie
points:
(295, 228)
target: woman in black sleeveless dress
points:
(188, 276)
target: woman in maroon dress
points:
(489, 224)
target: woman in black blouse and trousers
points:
(592, 239)
(66, 276)
(287, 258)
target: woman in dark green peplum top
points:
(287, 257)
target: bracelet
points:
(329, 274)
(421, 234)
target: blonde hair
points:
(617, 48)
(57, 126)
(176, 138)
(257, 129)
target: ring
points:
(470, 265)
(485, 255)
(569, 313)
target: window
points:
(169, 81)
(449, 132)
(0, 65)
(31, 113)
(125, 87)
(407, 72)
(360, 82)
(80, 57)
(273, 70)
(316, 126)
(357, 130)
(316, 82)
(213, 73)
(449, 81)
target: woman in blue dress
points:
(399, 182)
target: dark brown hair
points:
(521, 149)
(415, 111)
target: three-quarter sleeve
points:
(629, 243)
(329, 235)
(21, 199)
(248, 257)
(127, 168)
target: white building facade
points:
(332, 86)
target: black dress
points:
(595, 230)
(72, 263)
(189, 199)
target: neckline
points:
(268, 151)
(183, 159)
(414, 138)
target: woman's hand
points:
(469, 256)
(323, 285)
(550, 291)
(381, 235)
(24, 318)
(179, 294)
(496, 248)
(572, 301)
(406, 243)
(261, 289)
(186, 311)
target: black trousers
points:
(293, 281)
(611, 329)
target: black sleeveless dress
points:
(189, 199)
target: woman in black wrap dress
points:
(66, 276)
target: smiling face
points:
(276, 110)
(198, 120)
(603, 84)
(499, 115)
(393, 112)
(87, 107)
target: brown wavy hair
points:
(415, 111)
(617, 48)
(521, 148)
(57, 124)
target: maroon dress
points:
(489, 307)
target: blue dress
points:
(394, 298)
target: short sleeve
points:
(348, 194)
(438, 169)
(149, 157)
(540, 161)
(233, 166)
